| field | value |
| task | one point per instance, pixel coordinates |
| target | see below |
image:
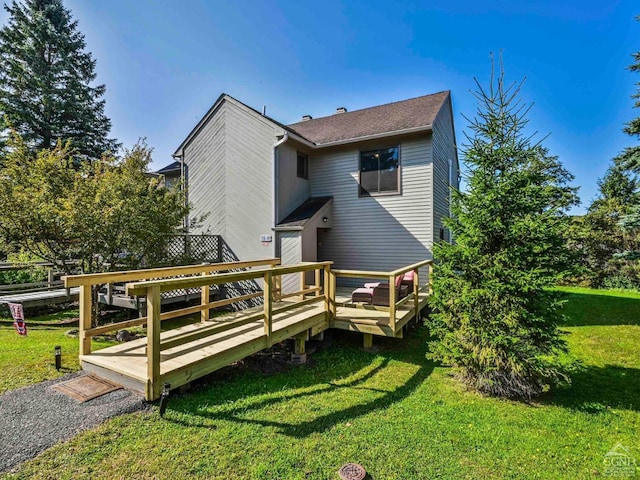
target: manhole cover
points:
(86, 387)
(352, 471)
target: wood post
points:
(430, 277)
(85, 319)
(317, 281)
(299, 345)
(368, 340)
(302, 285)
(268, 306)
(277, 285)
(416, 300)
(327, 294)
(153, 343)
(205, 291)
(392, 303)
(50, 278)
(332, 295)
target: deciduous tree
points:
(108, 214)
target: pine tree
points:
(46, 77)
(496, 321)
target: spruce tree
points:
(495, 320)
(629, 159)
(46, 80)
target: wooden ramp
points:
(192, 351)
(181, 355)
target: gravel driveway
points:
(35, 418)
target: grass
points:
(396, 413)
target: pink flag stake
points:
(17, 313)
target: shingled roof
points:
(415, 113)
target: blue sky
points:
(165, 62)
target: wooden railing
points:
(390, 277)
(86, 282)
(153, 288)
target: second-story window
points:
(303, 165)
(379, 171)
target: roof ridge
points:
(371, 107)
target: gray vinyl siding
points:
(292, 190)
(380, 232)
(443, 152)
(230, 177)
(204, 159)
(290, 253)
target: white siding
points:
(381, 232)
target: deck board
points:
(41, 298)
(218, 342)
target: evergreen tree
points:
(630, 160)
(600, 239)
(46, 90)
(495, 319)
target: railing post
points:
(332, 295)
(85, 319)
(430, 290)
(392, 302)
(277, 285)
(50, 279)
(268, 305)
(327, 293)
(416, 301)
(317, 282)
(153, 343)
(302, 284)
(205, 292)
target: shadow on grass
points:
(340, 374)
(584, 309)
(596, 389)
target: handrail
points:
(153, 288)
(167, 285)
(391, 277)
(164, 272)
(87, 281)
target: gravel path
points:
(35, 418)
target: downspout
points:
(276, 171)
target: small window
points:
(379, 171)
(303, 165)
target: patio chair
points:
(407, 279)
(381, 292)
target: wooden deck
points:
(213, 345)
(181, 355)
(42, 298)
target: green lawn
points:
(399, 415)
(30, 359)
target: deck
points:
(42, 297)
(181, 355)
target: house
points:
(367, 189)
